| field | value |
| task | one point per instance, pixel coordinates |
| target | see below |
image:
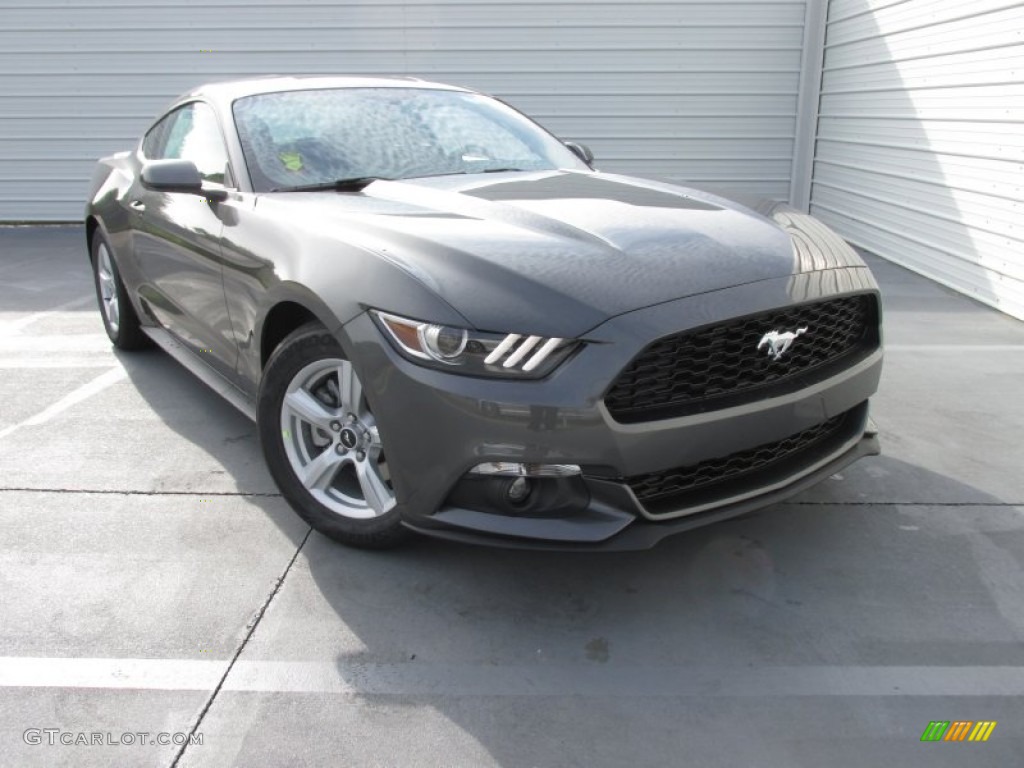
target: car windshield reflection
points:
(305, 140)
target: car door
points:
(177, 237)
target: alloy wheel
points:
(332, 441)
(108, 288)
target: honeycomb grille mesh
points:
(721, 365)
(675, 483)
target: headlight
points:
(472, 352)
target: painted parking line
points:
(566, 679)
(604, 680)
(16, 326)
(84, 392)
(67, 342)
(64, 361)
(145, 674)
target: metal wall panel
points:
(920, 152)
(698, 91)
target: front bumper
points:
(436, 426)
(640, 535)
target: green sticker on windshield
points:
(292, 160)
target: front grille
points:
(696, 484)
(720, 365)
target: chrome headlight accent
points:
(516, 354)
(460, 350)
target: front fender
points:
(268, 261)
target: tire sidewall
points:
(307, 345)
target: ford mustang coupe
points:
(443, 319)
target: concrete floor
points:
(153, 581)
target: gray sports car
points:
(443, 319)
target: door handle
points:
(137, 205)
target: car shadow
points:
(865, 569)
(889, 565)
(210, 424)
(845, 579)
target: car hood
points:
(553, 253)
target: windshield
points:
(296, 138)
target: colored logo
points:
(958, 730)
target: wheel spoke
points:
(353, 483)
(319, 473)
(309, 409)
(374, 433)
(351, 388)
(378, 495)
(108, 288)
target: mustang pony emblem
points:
(778, 343)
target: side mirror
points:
(177, 176)
(582, 151)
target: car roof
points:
(230, 90)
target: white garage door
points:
(704, 91)
(920, 153)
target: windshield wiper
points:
(342, 185)
(460, 172)
(357, 183)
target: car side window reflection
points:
(155, 141)
(190, 133)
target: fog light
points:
(518, 490)
(514, 469)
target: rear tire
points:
(321, 442)
(119, 318)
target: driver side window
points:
(190, 133)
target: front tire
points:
(119, 318)
(321, 442)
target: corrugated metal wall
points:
(920, 149)
(704, 91)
